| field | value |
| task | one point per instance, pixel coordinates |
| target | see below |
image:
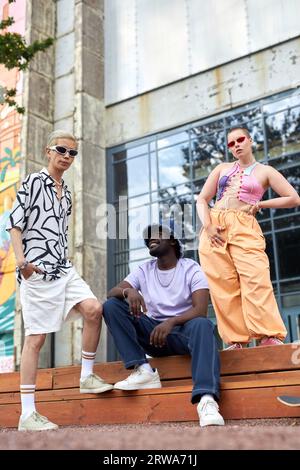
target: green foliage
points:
(15, 53)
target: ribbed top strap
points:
(248, 170)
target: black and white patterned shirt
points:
(43, 221)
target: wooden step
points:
(249, 360)
(167, 405)
(251, 379)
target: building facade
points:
(150, 89)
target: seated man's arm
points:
(198, 309)
(136, 302)
(118, 290)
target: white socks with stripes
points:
(27, 400)
(87, 364)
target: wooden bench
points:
(251, 379)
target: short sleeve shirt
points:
(172, 296)
(43, 221)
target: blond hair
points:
(59, 134)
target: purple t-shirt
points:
(168, 293)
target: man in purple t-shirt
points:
(160, 309)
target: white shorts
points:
(47, 304)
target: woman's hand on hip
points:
(214, 235)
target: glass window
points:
(292, 174)
(117, 156)
(270, 253)
(291, 301)
(138, 201)
(174, 167)
(153, 163)
(139, 254)
(138, 176)
(201, 130)
(265, 226)
(288, 247)
(289, 221)
(257, 133)
(135, 151)
(172, 139)
(283, 132)
(280, 104)
(207, 152)
(242, 118)
(138, 219)
(132, 177)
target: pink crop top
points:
(240, 183)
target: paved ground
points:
(236, 435)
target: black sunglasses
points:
(63, 150)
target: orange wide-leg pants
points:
(239, 279)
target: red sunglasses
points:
(239, 140)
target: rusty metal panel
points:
(149, 43)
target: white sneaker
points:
(208, 411)
(140, 379)
(94, 384)
(36, 422)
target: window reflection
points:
(174, 167)
(132, 177)
(288, 222)
(140, 254)
(283, 132)
(256, 131)
(242, 118)
(280, 104)
(292, 174)
(207, 152)
(202, 130)
(138, 219)
(139, 201)
(172, 139)
(153, 163)
(178, 213)
(135, 151)
(289, 248)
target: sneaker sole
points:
(140, 387)
(20, 428)
(216, 423)
(97, 390)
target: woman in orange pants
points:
(232, 246)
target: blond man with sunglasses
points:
(232, 245)
(51, 291)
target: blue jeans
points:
(195, 337)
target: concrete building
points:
(149, 88)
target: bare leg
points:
(91, 311)
(30, 357)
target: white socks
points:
(27, 400)
(147, 367)
(87, 364)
